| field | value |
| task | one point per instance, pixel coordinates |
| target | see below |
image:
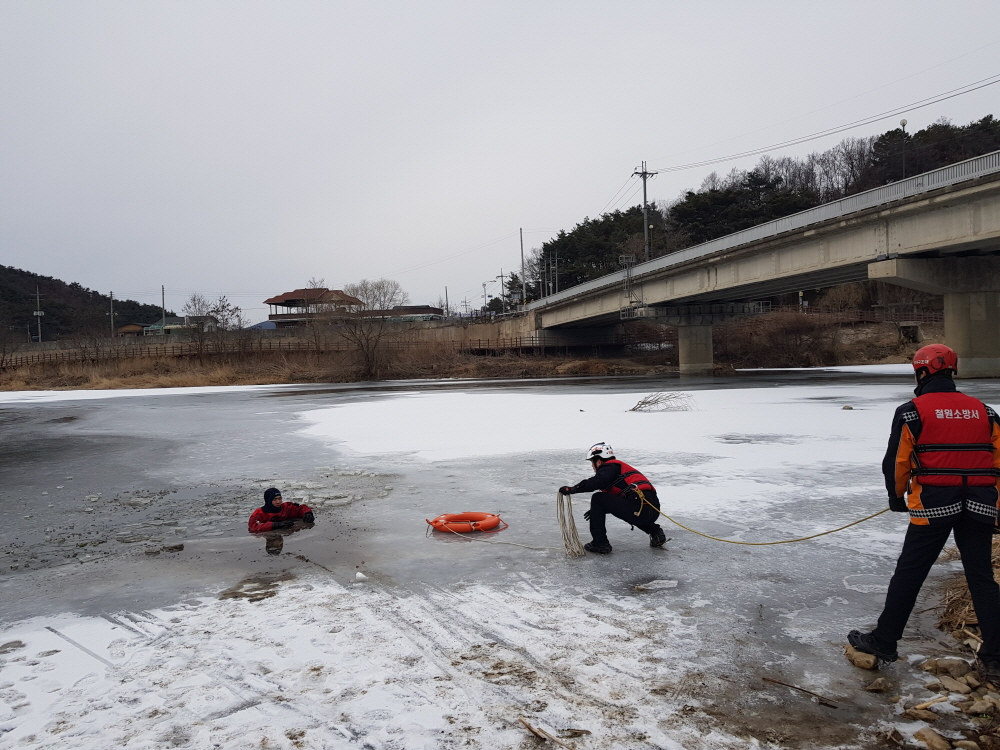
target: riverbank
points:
(776, 344)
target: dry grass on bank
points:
(789, 339)
(959, 616)
(780, 340)
(172, 372)
(280, 368)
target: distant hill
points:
(69, 308)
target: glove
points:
(586, 516)
(898, 504)
(282, 524)
(565, 490)
(309, 517)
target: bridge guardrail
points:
(953, 174)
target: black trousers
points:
(921, 548)
(624, 507)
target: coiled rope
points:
(564, 512)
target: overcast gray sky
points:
(241, 148)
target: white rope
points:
(571, 540)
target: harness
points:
(631, 480)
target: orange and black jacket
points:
(616, 477)
(943, 455)
(261, 520)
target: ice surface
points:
(450, 641)
(41, 397)
(898, 369)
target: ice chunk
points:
(656, 585)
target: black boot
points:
(657, 538)
(990, 671)
(867, 643)
(599, 548)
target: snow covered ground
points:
(448, 642)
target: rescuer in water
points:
(943, 455)
(622, 492)
(276, 514)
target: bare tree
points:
(196, 310)
(197, 305)
(230, 325)
(318, 313)
(368, 328)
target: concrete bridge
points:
(938, 232)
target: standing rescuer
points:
(623, 492)
(943, 457)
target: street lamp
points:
(503, 305)
(902, 124)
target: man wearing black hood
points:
(276, 514)
(944, 456)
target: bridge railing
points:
(953, 174)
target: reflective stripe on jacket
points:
(629, 478)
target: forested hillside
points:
(775, 187)
(69, 308)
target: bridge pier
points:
(971, 289)
(694, 349)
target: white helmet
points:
(602, 451)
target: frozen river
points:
(113, 633)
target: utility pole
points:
(446, 313)
(645, 175)
(163, 309)
(503, 306)
(484, 298)
(38, 312)
(112, 314)
(524, 283)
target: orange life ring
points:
(463, 523)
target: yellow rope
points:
(487, 541)
(763, 544)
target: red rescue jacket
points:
(261, 520)
(629, 477)
(955, 446)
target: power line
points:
(829, 106)
(919, 104)
(626, 199)
(624, 185)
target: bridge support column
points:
(694, 349)
(971, 289)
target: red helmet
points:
(935, 357)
